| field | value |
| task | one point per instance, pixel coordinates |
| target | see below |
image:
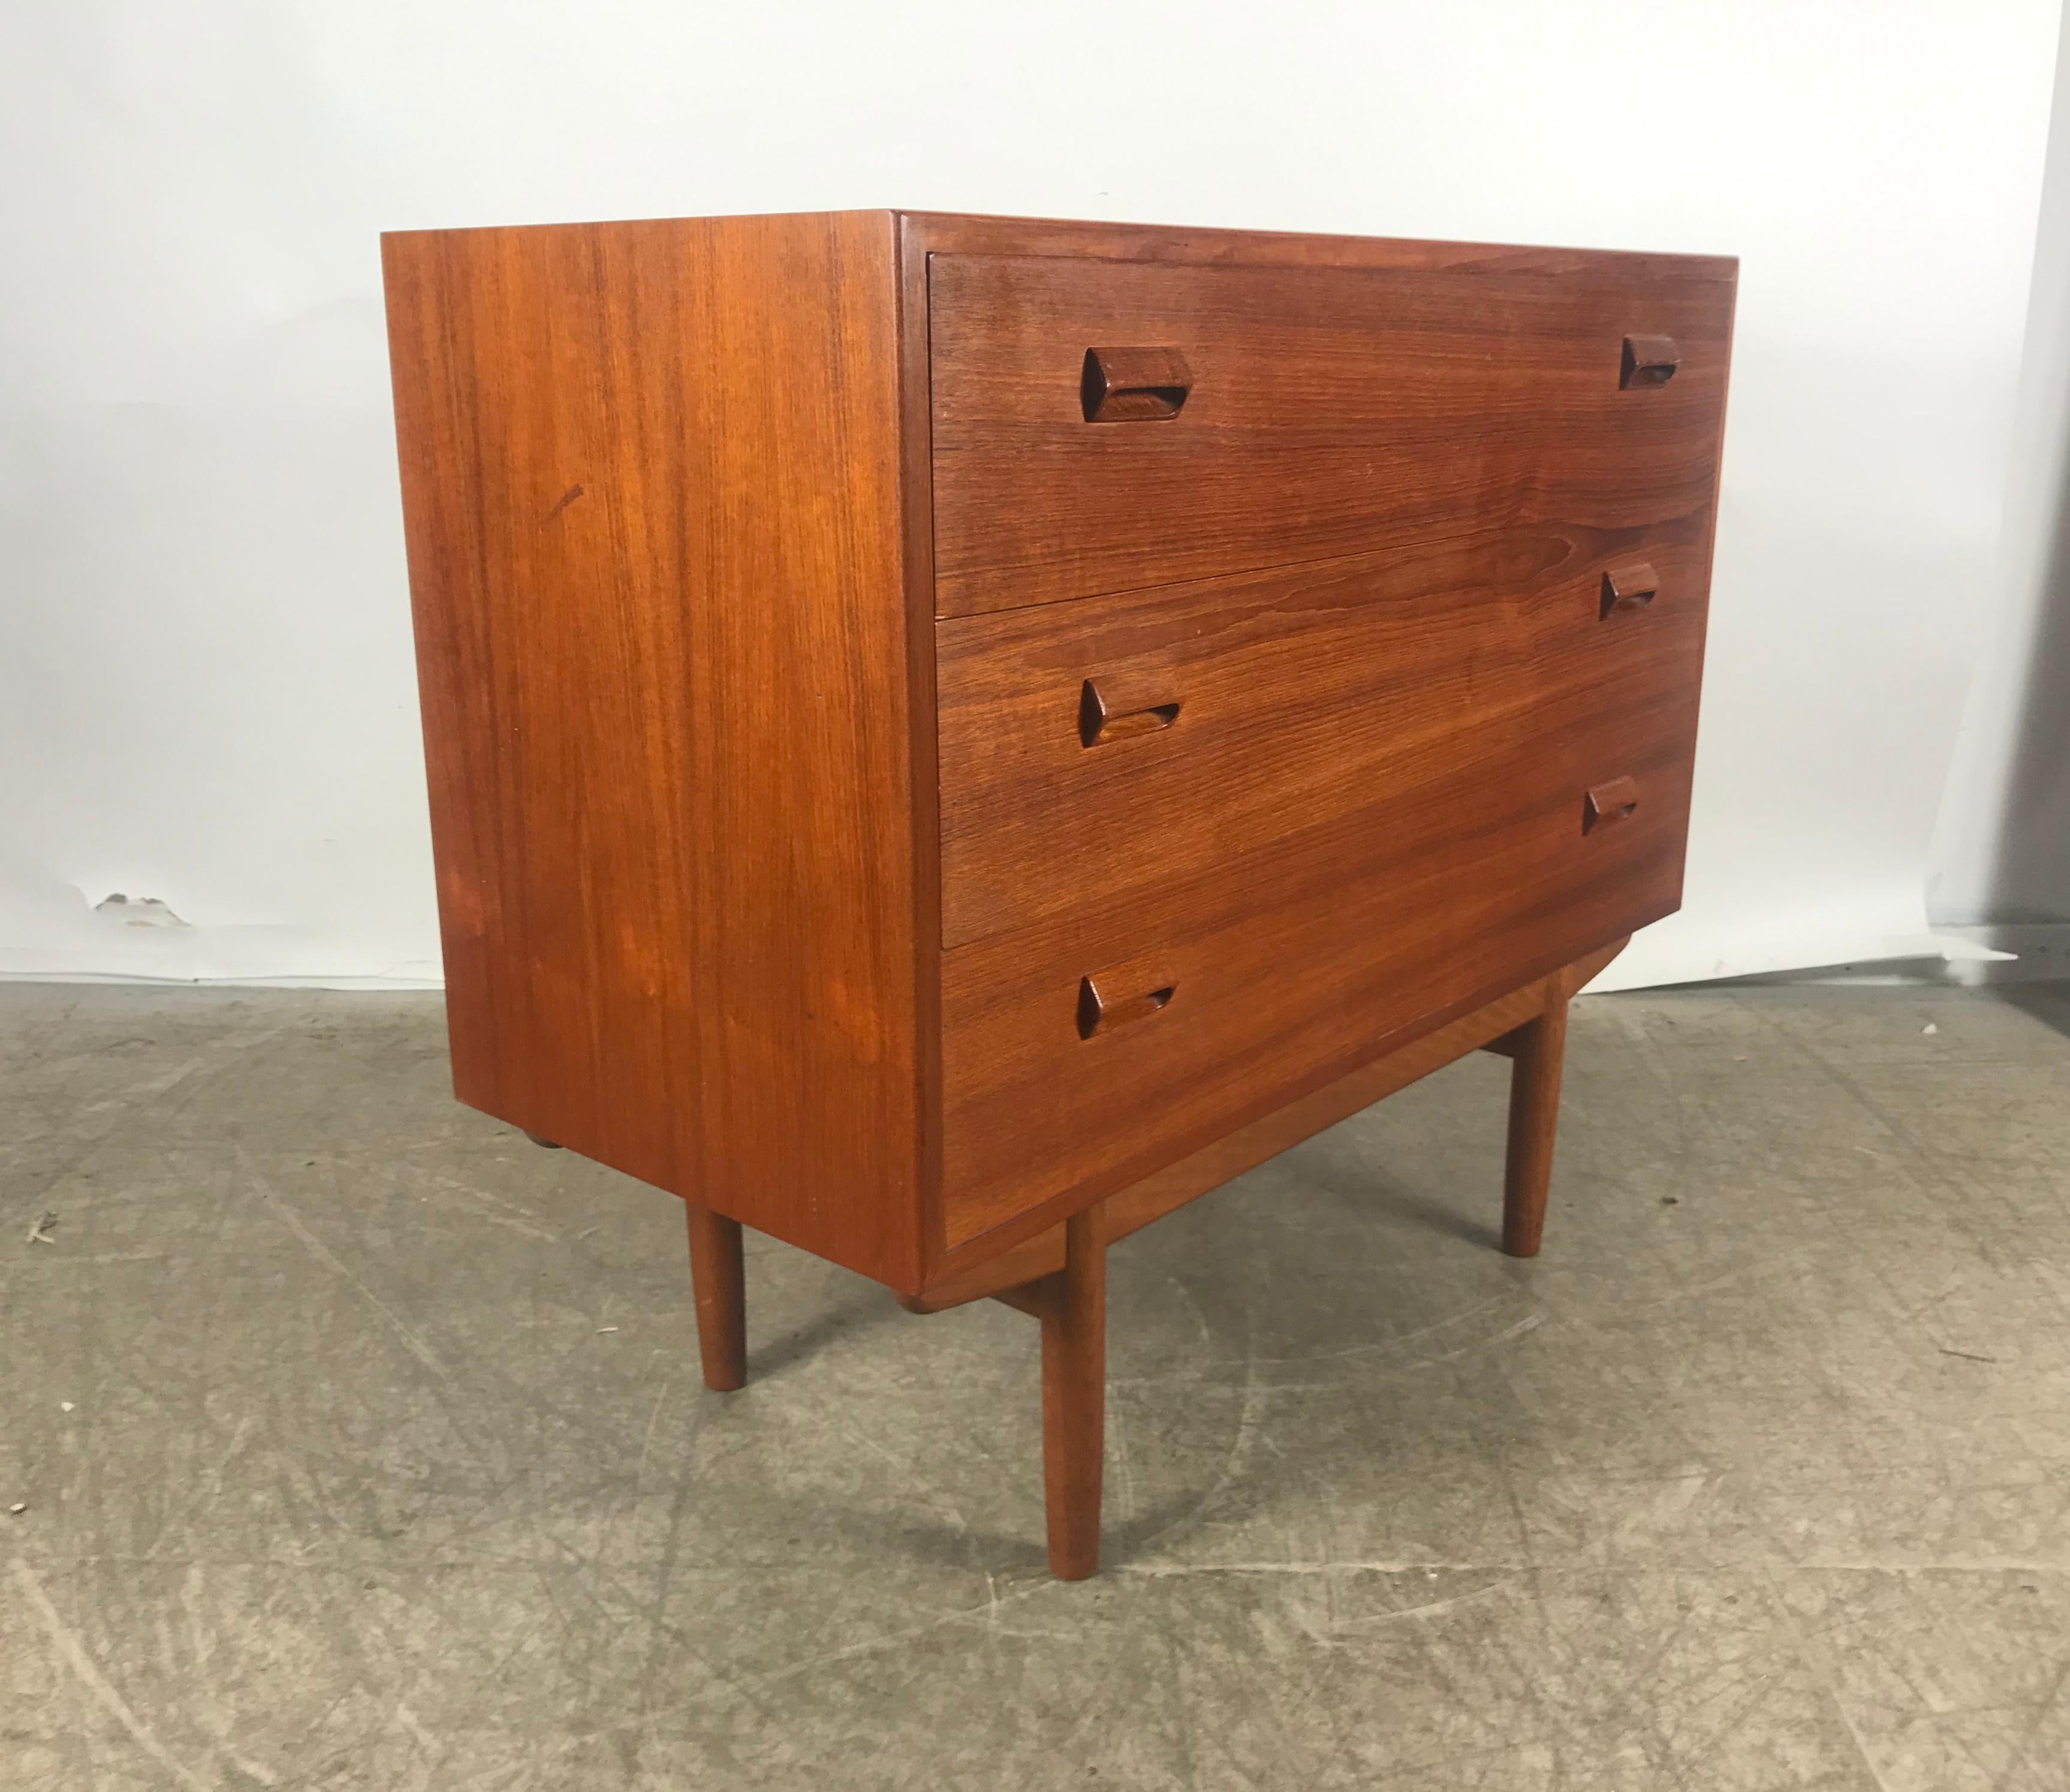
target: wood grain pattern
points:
(1339, 692)
(1310, 609)
(1133, 385)
(653, 493)
(1110, 1000)
(1534, 1118)
(676, 495)
(1627, 588)
(1331, 411)
(1291, 965)
(917, 533)
(718, 1289)
(1649, 361)
(966, 233)
(1072, 1310)
(1607, 803)
(1447, 1039)
(1114, 705)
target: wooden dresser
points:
(949, 737)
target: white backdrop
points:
(203, 628)
(2000, 866)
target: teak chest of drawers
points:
(949, 737)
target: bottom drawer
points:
(1081, 1054)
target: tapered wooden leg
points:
(1073, 1313)
(1536, 1050)
(718, 1285)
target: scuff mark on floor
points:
(91, 1677)
(323, 1255)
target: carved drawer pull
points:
(1115, 707)
(1649, 361)
(1614, 801)
(1122, 386)
(1629, 587)
(1102, 1010)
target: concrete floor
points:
(361, 1443)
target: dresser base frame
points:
(1059, 1276)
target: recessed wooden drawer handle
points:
(1614, 801)
(1101, 1010)
(1629, 587)
(1116, 708)
(1649, 361)
(1122, 385)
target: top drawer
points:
(1234, 418)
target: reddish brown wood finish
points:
(1031, 1298)
(1628, 586)
(1615, 801)
(1118, 386)
(1331, 411)
(1291, 964)
(1307, 608)
(1649, 361)
(917, 533)
(570, 833)
(1540, 1050)
(651, 484)
(1116, 705)
(1492, 1027)
(718, 1285)
(966, 233)
(1368, 695)
(1073, 1314)
(1114, 999)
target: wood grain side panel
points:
(1338, 688)
(1331, 410)
(651, 490)
(1292, 966)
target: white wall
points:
(2000, 865)
(208, 694)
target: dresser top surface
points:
(971, 233)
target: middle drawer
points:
(1107, 747)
